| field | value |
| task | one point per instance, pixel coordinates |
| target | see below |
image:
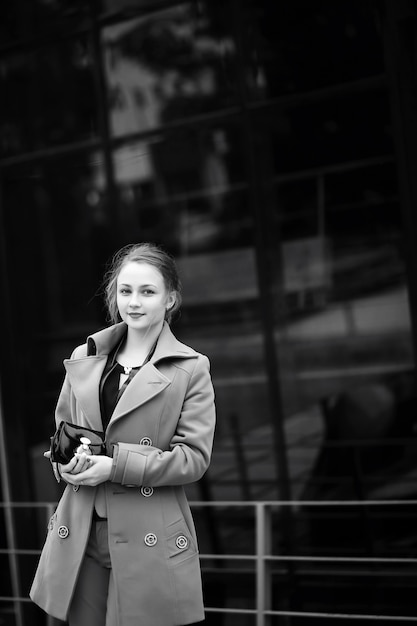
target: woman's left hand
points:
(98, 471)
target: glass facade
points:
(258, 143)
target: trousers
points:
(94, 600)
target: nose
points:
(134, 300)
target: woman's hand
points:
(87, 470)
(73, 466)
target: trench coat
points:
(160, 437)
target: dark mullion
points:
(103, 120)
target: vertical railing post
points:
(50, 508)
(9, 520)
(263, 570)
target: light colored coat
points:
(160, 436)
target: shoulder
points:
(195, 363)
(189, 352)
(172, 349)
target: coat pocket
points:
(180, 544)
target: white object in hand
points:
(84, 447)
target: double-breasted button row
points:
(150, 539)
(146, 491)
(181, 542)
(145, 441)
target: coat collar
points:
(85, 372)
(102, 342)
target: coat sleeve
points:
(190, 449)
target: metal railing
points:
(262, 558)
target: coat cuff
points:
(128, 466)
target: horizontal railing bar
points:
(271, 557)
(309, 614)
(302, 503)
(313, 559)
(251, 503)
(351, 616)
(344, 559)
(14, 599)
(20, 551)
(403, 579)
(26, 505)
(230, 611)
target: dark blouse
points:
(110, 388)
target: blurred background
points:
(271, 147)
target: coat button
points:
(146, 491)
(150, 539)
(75, 488)
(145, 441)
(181, 542)
(63, 532)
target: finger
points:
(79, 468)
(47, 454)
(83, 463)
(78, 479)
(69, 478)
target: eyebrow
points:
(145, 285)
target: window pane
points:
(331, 131)
(304, 46)
(48, 97)
(25, 19)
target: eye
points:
(148, 292)
(124, 291)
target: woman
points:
(121, 548)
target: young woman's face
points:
(142, 298)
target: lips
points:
(135, 315)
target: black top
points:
(110, 393)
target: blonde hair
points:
(141, 253)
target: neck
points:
(137, 346)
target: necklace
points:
(128, 369)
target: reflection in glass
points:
(164, 66)
(188, 186)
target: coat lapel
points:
(147, 384)
(84, 375)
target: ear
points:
(170, 301)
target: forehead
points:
(134, 273)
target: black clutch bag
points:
(68, 437)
